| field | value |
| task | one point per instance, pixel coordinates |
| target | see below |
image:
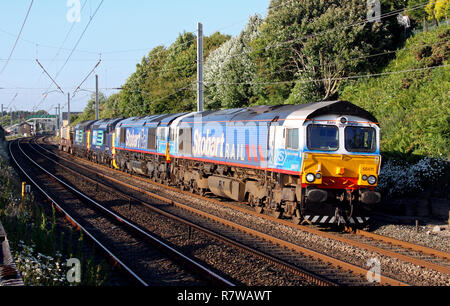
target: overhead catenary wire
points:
(34, 43)
(190, 86)
(362, 22)
(285, 70)
(386, 15)
(174, 68)
(42, 45)
(64, 41)
(12, 101)
(162, 70)
(18, 37)
(84, 80)
(45, 71)
(79, 39)
(74, 48)
(329, 79)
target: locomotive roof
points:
(169, 119)
(256, 113)
(106, 124)
(85, 125)
(281, 112)
(340, 108)
(152, 120)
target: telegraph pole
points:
(68, 109)
(200, 99)
(57, 119)
(96, 97)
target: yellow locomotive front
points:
(340, 167)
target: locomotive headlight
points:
(372, 180)
(318, 176)
(364, 177)
(310, 177)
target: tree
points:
(89, 110)
(437, 9)
(229, 71)
(164, 81)
(111, 108)
(306, 48)
(416, 11)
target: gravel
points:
(391, 267)
(425, 236)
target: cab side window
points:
(292, 139)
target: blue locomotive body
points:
(101, 140)
(288, 159)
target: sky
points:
(119, 33)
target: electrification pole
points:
(57, 119)
(2, 115)
(200, 99)
(68, 109)
(96, 97)
(59, 116)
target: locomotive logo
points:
(136, 139)
(280, 157)
(217, 147)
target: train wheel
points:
(296, 218)
(251, 200)
(259, 209)
(277, 214)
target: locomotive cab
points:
(340, 166)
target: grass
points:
(40, 246)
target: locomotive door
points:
(276, 142)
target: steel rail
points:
(74, 222)
(310, 230)
(310, 276)
(406, 245)
(403, 244)
(170, 250)
(335, 262)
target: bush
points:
(400, 178)
(413, 108)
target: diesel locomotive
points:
(315, 163)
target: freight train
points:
(313, 163)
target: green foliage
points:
(229, 71)
(164, 81)
(437, 9)
(413, 108)
(38, 244)
(89, 110)
(308, 45)
(416, 11)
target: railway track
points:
(205, 225)
(391, 248)
(286, 250)
(407, 252)
(147, 259)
